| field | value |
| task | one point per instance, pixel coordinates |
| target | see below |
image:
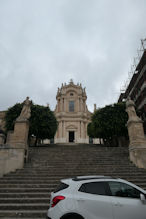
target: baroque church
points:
(72, 114)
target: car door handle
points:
(118, 204)
(80, 199)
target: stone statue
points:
(130, 109)
(137, 140)
(71, 81)
(26, 110)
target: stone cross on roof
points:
(71, 81)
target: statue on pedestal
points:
(130, 109)
(26, 110)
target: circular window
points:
(71, 94)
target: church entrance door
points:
(71, 136)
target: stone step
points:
(25, 200)
(22, 195)
(76, 169)
(23, 217)
(56, 181)
(23, 190)
(26, 186)
(24, 206)
(29, 182)
(23, 214)
(44, 181)
(77, 165)
(43, 177)
(66, 166)
(79, 173)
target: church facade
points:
(72, 114)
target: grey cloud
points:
(44, 43)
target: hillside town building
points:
(136, 89)
(72, 114)
(2, 121)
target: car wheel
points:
(74, 217)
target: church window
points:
(71, 106)
(71, 94)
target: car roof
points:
(86, 178)
(82, 178)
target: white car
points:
(97, 197)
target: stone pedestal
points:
(11, 159)
(19, 137)
(20, 134)
(2, 139)
(137, 146)
(15, 152)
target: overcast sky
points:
(44, 43)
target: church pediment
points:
(71, 127)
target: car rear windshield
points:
(61, 187)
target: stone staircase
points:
(25, 193)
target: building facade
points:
(2, 120)
(72, 114)
(136, 89)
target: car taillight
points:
(56, 200)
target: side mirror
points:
(142, 198)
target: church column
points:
(86, 129)
(82, 129)
(60, 126)
(64, 130)
(63, 105)
(81, 104)
(85, 106)
(78, 105)
(58, 130)
(59, 105)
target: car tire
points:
(73, 217)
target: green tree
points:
(90, 130)
(11, 114)
(43, 123)
(109, 122)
